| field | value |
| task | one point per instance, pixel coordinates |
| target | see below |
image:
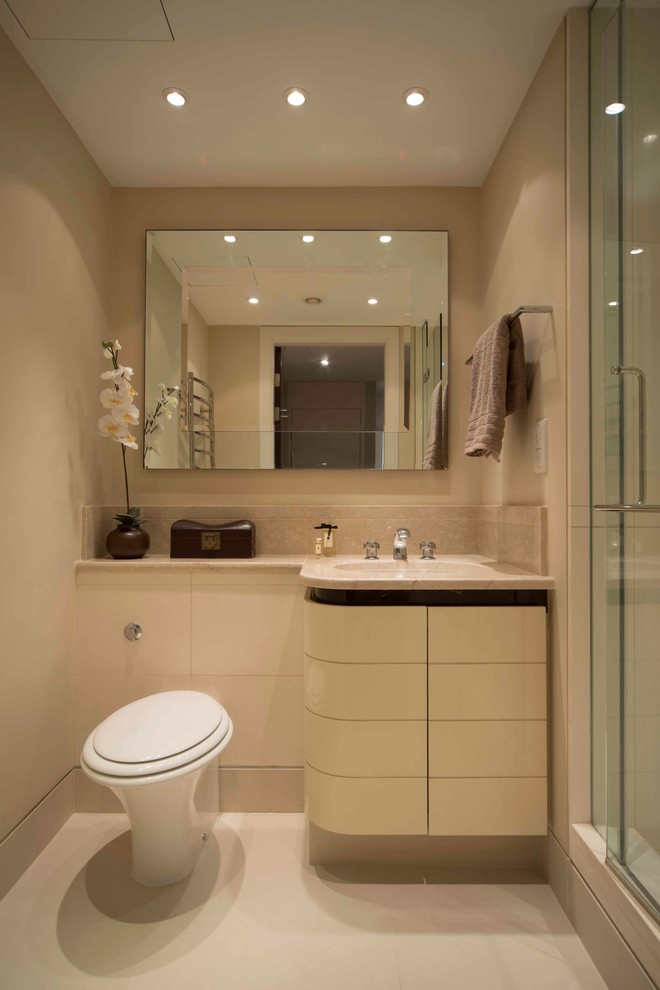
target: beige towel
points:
(499, 386)
(435, 455)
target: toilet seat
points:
(171, 731)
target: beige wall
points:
(523, 244)
(234, 356)
(54, 238)
(163, 333)
(455, 210)
(197, 344)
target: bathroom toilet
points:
(154, 754)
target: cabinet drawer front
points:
(365, 749)
(487, 749)
(366, 806)
(365, 691)
(488, 806)
(487, 634)
(363, 634)
(487, 691)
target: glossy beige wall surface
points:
(455, 209)
(54, 235)
(523, 244)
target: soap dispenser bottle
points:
(328, 544)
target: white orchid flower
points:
(110, 427)
(107, 353)
(126, 373)
(112, 398)
(117, 345)
(115, 374)
(128, 414)
(128, 441)
(156, 449)
(126, 389)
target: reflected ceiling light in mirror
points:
(650, 138)
(325, 362)
(253, 300)
(294, 96)
(313, 301)
(385, 238)
(230, 238)
(175, 97)
(637, 251)
(415, 97)
(613, 303)
(612, 109)
(372, 301)
(308, 238)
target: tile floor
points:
(254, 915)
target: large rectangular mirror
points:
(296, 349)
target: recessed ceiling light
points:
(613, 108)
(294, 96)
(313, 300)
(650, 138)
(230, 238)
(175, 97)
(613, 303)
(308, 238)
(637, 251)
(325, 362)
(253, 300)
(415, 97)
(372, 301)
(385, 238)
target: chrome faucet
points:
(401, 538)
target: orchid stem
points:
(123, 454)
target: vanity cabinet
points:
(426, 719)
(366, 737)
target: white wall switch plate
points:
(541, 447)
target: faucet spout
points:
(401, 538)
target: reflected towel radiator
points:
(200, 422)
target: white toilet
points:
(153, 754)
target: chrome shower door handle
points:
(618, 369)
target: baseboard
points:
(263, 789)
(490, 859)
(609, 950)
(24, 843)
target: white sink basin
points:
(387, 566)
(447, 571)
(405, 566)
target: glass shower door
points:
(625, 354)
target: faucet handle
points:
(372, 547)
(427, 547)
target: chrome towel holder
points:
(518, 312)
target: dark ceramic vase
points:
(127, 542)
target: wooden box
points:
(208, 540)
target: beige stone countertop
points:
(450, 572)
(281, 563)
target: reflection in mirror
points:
(292, 354)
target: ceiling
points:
(106, 62)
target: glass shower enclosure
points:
(625, 428)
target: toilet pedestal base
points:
(168, 823)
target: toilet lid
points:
(157, 727)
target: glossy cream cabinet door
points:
(365, 634)
(487, 634)
(487, 720)
(366, 805)
(366, 729)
